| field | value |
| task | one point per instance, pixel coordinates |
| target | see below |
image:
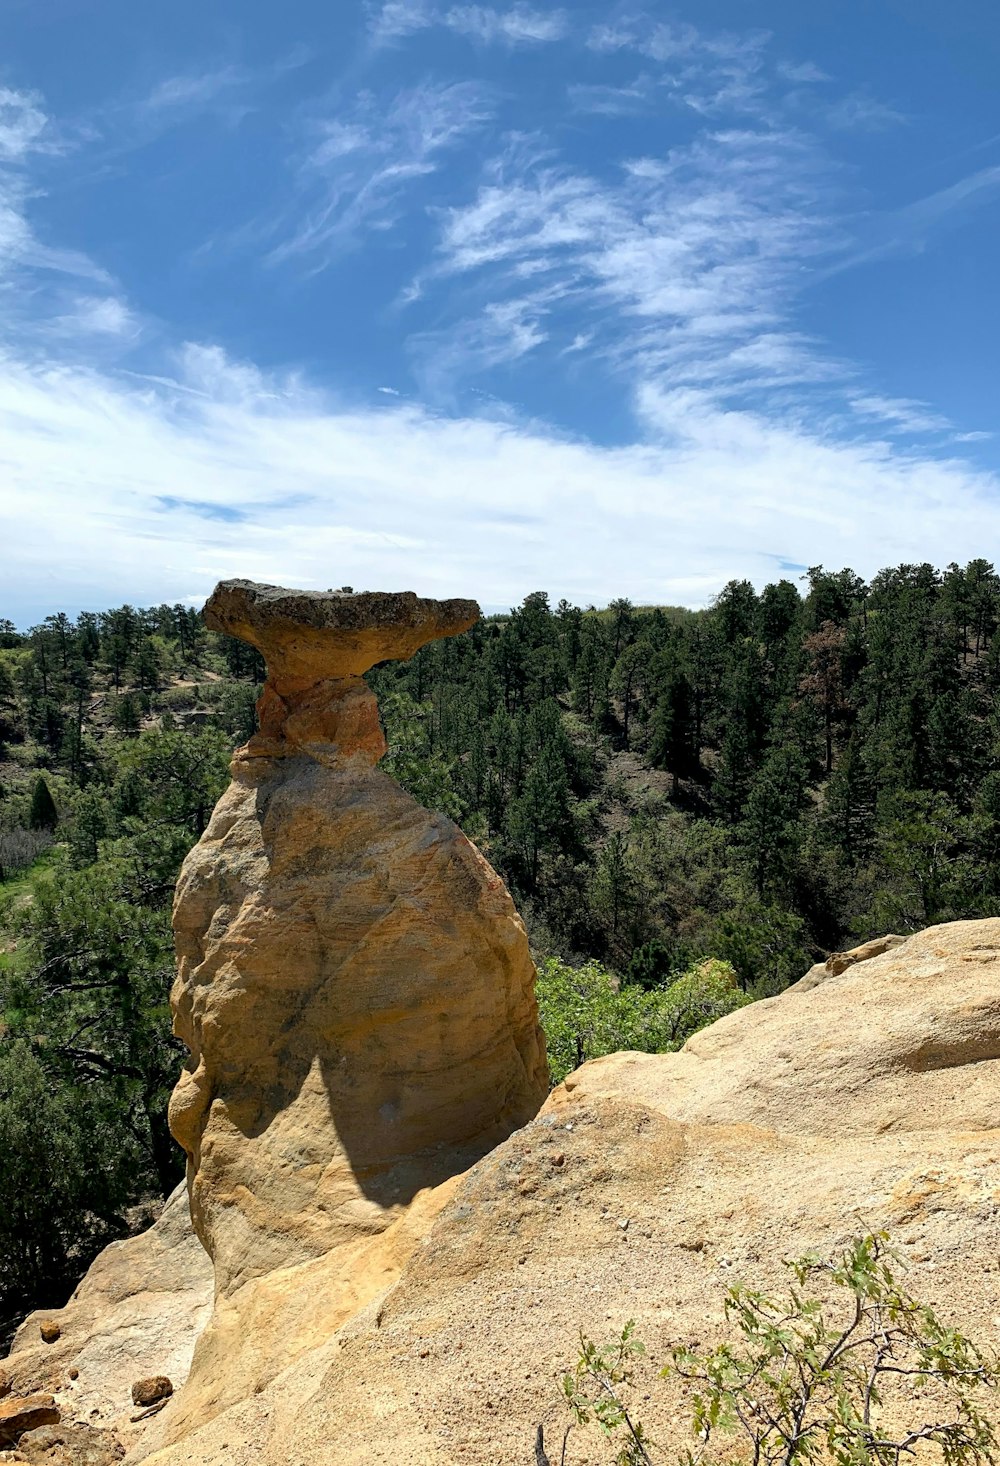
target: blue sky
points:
(479, 299)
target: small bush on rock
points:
(804, 1379)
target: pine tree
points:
(673, 742)
(43, 814)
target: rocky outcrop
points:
(839, 962)
(647, 1184)
(20, 1413)
(69, 1445)
(354, 985)
(138, 1312)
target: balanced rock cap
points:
(313, 635)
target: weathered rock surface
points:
(138, 1312)
(19, 1413)
(322, 635)
(839, 962)
(70, 1445)
(870, 1101)
(354, 985)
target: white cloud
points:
(685, 267)
(906, 230)
(710, 72)
(863, 114)
(144, 491)
(192, 91)
(518, 26)
(23, 124)
(105, 315)
(359, 169)
(901, 414)
(522, 24)
(26, 130)
(802, 71)
(612, 101)
(396, 19)
(503, 333)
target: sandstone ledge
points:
(307, 636)
(646, 1185)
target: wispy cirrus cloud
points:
(96, 315)
(26, 133)
(684, 266)
(802, 72)
(604, 99)
(394, 20)
(358, 167)
(499, 335)
(860, 112)
(193, 91)
(519, 25)
(24, 126)
(710, 72)
(900, 414)
(907, 230)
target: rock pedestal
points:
(354, 983)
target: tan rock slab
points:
(789, 1126)
(137, 1312)
(19, 1413)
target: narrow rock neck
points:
(332, 721)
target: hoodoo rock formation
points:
(354, 982)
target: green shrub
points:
(586, 1012)
(803, 1379)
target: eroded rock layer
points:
(646, 1185)
(139, 1311)
(354, 983)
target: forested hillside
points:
(689, 807)
(761, 781)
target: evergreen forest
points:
(690, 807)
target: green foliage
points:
(412, 758)
(87, 1061)
(586, 1012)
(64, 1177)
(93, 993)
(593, 1393)
(805, 1379)
(43, 814)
